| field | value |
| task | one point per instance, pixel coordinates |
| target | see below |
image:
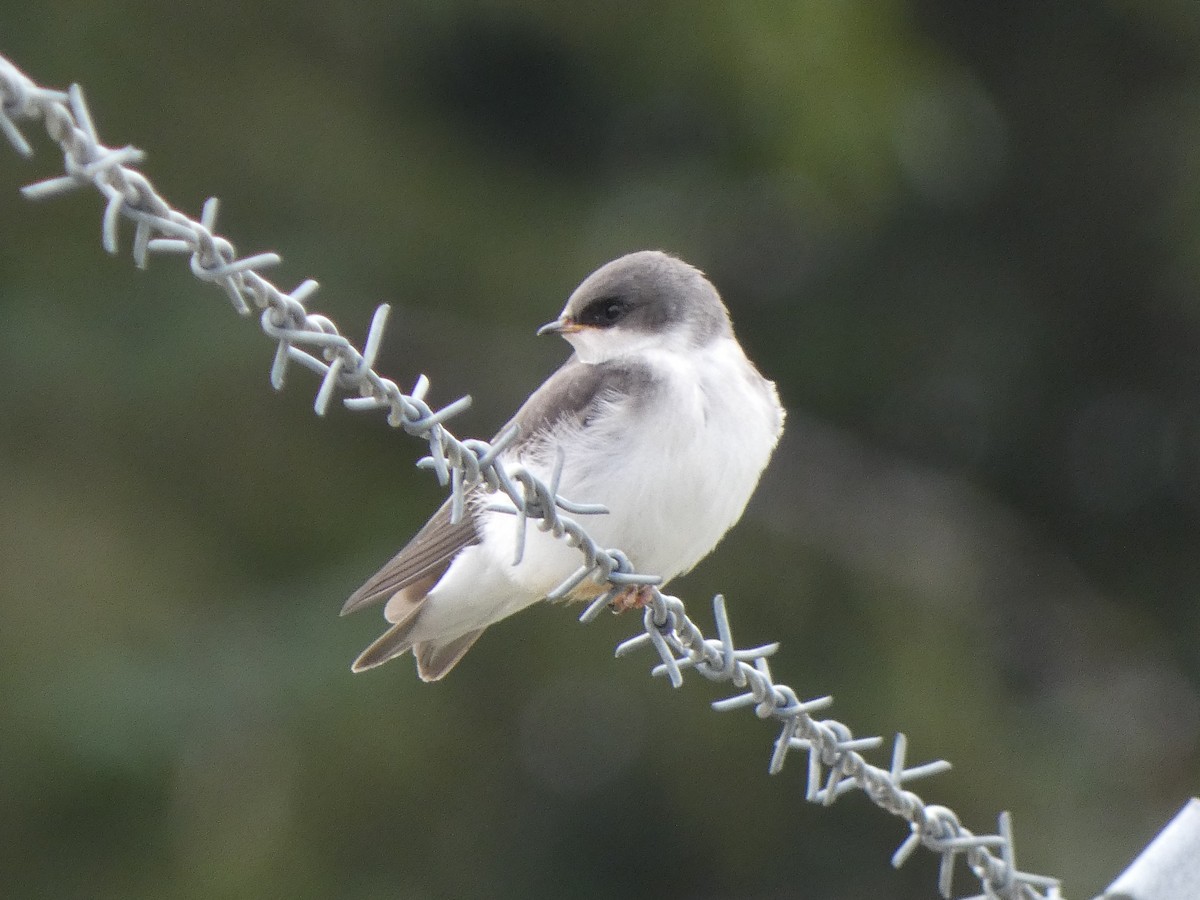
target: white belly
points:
(675, 475)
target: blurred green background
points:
(963, 238)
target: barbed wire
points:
(835, 764)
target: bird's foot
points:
(635, 596)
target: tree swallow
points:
(658, 416)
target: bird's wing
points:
(426, 556)
(577, 393)
(573, 395)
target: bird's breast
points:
(674, 465)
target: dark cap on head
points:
(650, 292)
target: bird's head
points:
(643, 300)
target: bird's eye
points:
(604, 313)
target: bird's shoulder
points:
(579, 391)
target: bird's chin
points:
(597, 345)
(588, 344)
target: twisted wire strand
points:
(835, 764)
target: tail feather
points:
(389, 645)
(434, 660)
(403, 609)
(434, 657)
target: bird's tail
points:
(434, 658)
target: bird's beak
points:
(564, 325)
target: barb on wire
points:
(835, 764)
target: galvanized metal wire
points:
(835, 762)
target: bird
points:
(658, 415)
